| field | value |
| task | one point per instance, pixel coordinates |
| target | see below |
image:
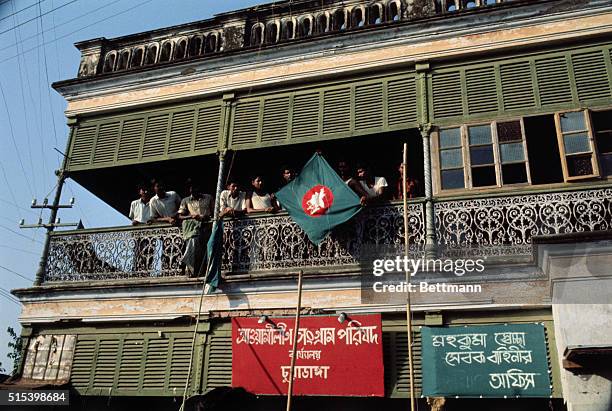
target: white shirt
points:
(261, 202)
(227, 201)
(376, 190)
(165, 207)
(140, 211)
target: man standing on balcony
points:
(232, 201)
(346, 174)
(194, 211)
(140, 213)
(374, 187)
(164, 209)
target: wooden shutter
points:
(155, 364)
(106, 143)
(275, 119)
(130, 370)
(207, 130)
(592, 81)
(82, 146)
(179, 365)
(337, 111)
(517, 85)
(155, 136)
(401, 101)
(131, 139)
(395, 356)
(553, 80)
(305, 119)
(481, 90)
(105, 364)
(246, 123)
(219, 361)
(181, 132)
(369, 106)
(447, 95)
(82, 363)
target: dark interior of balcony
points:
(382, 153)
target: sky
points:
(36, 49)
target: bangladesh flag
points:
(318, 200)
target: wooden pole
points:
(296, 327)
(408, 312)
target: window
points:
(483, 155)
(451, 159)
(576, 145)
(602, 124)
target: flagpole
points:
(296, 327)
(408, 312)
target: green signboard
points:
(485, 361)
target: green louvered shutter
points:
(208, 127)
(179, 366)
(553, 80)
(395, 357)
(275, 119)
(246, 123)
(155, 364)
(447, 95)
(591, 77)
(517, 86)
(368, 106)
(131, 139)
(305, 119)
(401, 101)
(155, 136)
(481, 90)
(106, 143)
(106, 364)
(82, 146)
(219, 361)
(82, 363)
(130, 371)
(181, 132)
(337, 111)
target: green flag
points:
(318, 200)
(213, 251)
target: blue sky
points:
(36, 49)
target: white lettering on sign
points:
(510, 338)
(461, 341)
(305, 372)
(513, 378)
(306, 354)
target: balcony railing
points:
(491, 225)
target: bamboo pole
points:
(296, 327)
(408, 313)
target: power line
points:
(18, 11)
(32, 19)
(48, 85)
(77, 30)
(8, 113)
(7, 294)
(18, 249)
(16, 273)
(21, 235)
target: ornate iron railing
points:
(118, 253)
(504, 226)
(489, 226)
(272, 243)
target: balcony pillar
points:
(430, 233)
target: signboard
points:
(332, 358)
(488, 361)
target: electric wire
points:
(21, 235)
(16, 273)
(18, 249)
(34, 18)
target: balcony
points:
(491, 225)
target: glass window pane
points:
(451, 137)
(579, 165)
(514, 173)
(512, 152)
(451, 158)
(483, 176)
(452, 179)
(573, 121)
(481, 155)
(576, 143)
(509, 131)
(480, 134)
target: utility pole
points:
(51, 225)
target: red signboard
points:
(332, 358)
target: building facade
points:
(505, 108)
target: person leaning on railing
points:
(140, 213)
(164, 209)
(232, 201)
(194, 211)
(258, 200)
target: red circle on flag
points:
(317, 201)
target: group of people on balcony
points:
(156, 204)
